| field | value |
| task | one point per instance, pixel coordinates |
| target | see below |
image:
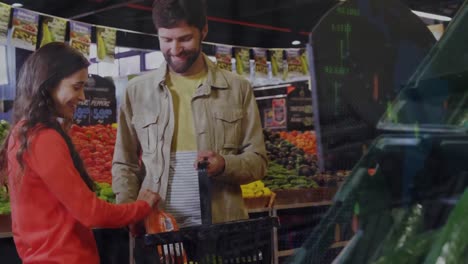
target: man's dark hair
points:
(169, 13)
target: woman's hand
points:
(152, 198)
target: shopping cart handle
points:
(203, 165)
(204, 184)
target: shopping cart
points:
(245, 241)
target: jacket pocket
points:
(229, 123)
(146, 127)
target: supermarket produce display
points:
(292, 166)
(292, 149)
(255, 189)
(104, 191)
(95, 144)
(4, 198)
(96, 147)
(293, 162)
(4, 201)
(4, 128)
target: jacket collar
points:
(214, 77)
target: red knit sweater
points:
(53, 210)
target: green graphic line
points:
(337, 99)
(341, 52)
(347, 42)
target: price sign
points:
(100, 104)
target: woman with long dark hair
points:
(52, 200)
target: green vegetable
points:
(4, 124)
(103, 185)
(4, 128)
(407, 224)
(4, 201)
(107, 192)
(412, 252)
(451, 246)
(104, 192)
(5, 208)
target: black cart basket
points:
(244, 241)
(248, 241)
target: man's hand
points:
(216, 162)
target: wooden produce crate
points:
(327, 193)
(305, 195)
(293, 196)
(260, 202)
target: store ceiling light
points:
(296, 42)
(432, 16)
(17, 5)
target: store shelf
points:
(285, 253)
(280, 84)
(289, 252)
(302, 205)
(269, 87)
(258, 210)
(339, 244)
(283, 207)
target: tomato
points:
(85, 153)
(304, 140)
(95, 144)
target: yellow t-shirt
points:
(182, 89)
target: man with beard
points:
(186, 111)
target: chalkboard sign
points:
(361, 53)
(300, 113)
(100, 104)
(6, 105)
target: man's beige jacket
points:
(226, 120)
